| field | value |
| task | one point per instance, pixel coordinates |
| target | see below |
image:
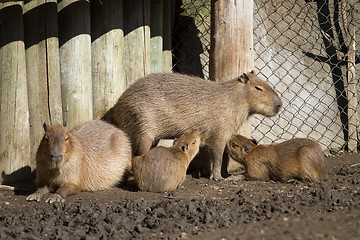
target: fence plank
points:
(107, 54)
(167, 55)
(352, 93)
(42, 66)
(156, 32)
(75, 61)
(231, 51)
(231, 42)
(231, 39)
(136, 39)
(14, 112)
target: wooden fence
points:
(70, 61)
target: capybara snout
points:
(262, 97)
(189, 142)
(56, 139)
(277, 106)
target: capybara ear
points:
(246, 77)
(175, 141)
(65, 124)
(185, 147)
(254, 141)
(247, 148)
(243, 78)
(46, 126)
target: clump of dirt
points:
(200, 209)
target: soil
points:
(200, 209)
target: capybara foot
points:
(34, 197)
(239, 177)
(55, 198)
(216, 177)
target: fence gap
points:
(166, 36)
(156, 39)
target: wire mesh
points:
(191, 37)
(307, 50)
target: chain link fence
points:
(307, 50)
(191, 37)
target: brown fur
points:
(93, 156)
(164, 168)
(298, 158)
(165, 105)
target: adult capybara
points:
(92, 156)
(165, 105)
(164, 168)
(298, 158)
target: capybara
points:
(165, 105)
(298, 158)
(164, 168)
(92, 156)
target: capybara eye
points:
(258, 88)
(194, 142)
(234, 145)
(66, 139)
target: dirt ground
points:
(201, 209)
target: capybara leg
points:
(312, 169)
(216, 158)
(66, 190)
(224, 165)
(309, 173)
(36, 196)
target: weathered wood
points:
(107, 46)
(136, 39)
(42, 66)
(14, 112)
(352, 88)
(156, 32)
(167, 54)
(349, 30)
(231, 39)
(75, 61)
(231, 50)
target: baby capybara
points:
(164, 168)
(92, 156)
(298, 158)
(165, 105)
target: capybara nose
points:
(56, 157)
(278, 105)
